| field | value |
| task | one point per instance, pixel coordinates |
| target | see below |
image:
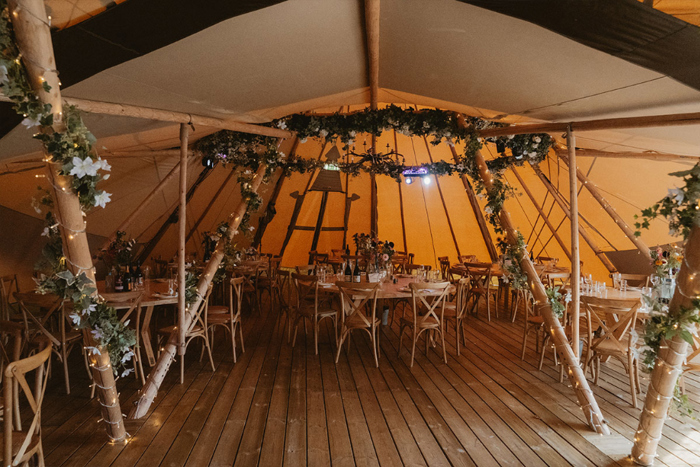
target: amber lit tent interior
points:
(512, 62)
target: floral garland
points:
(666, 263)
(512, 255)
(557, 301)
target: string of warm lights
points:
(115, 402)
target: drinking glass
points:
(623, 285)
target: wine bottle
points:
(348, 271)
(128, 280)
(139, 277)
(119, 283)
(356, 272)
(109, 281)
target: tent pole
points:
(584, 233)
(182, 228)
(474, 202)
(403, 218)
(593, 190)
(575, 256)
(668, 365)
(372, 11)
(442, 198)
(579, 384)
(319, 222)
(652, 156)
(209, 205)
(542, 214)
(155, 378)
(33, 38)
(142, 205)
(270, 210)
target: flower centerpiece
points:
(119, 253)
(378, 253)
(666, 263)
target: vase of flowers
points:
(119, 253)
(666, 264)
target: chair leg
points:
(240, 331)
(343, 334)
(444, 351)
(630, 369)
(525, 333)
(374, 348)
(597, 369)
(398, 351)
(316, 335)
(233, 340)
(457, 329)
(544, 349)
(64, 357)
(413, 349)
(211, 359)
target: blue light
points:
(409, 180)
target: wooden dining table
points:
(389, 290)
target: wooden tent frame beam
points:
(543, 215)
(593, 190)
(182, 241)
(592, 413)
(575, 279)
(582, 230)
(653, 156)
(33, 37)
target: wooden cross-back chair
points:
(306, 269)
(19, 446)
(38, 331)
(691, 363)
(444, 265)
(635, 280)
(250, 271)
(131, 302)
(456, 311)
(197, 329)
(467, 259)
(558, 279)
(8, 287)
(409, 268)
(284, 291)
(454, 274)
(317, 258)
(358, 311)
(312, 308)
(611, 333)
(10, 351)
(547, 260)
(266, 280)
(428, 315)
(230, 319)
(160, 268)
(481, 287)
(398, 263)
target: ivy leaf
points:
(46, 86)
(687, 336)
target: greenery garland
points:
(512, 255)
(73, 150)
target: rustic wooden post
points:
(182, 229)
(372, 10)
(142, 205)
(626, 229)
(669, 362)
(33, 38)
(543, 215)
(155, 378)
(584, 233)
(586, 400)
(575, 256)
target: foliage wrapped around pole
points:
(668, 367)
(588, 404)
(155, 378)
(33, 39)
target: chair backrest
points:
(444, 265)
(353, 298)
(10, 343)
(160, 268)
(479, 274)
(306, 269)
(16, 372)
(467, 259)
(547, 260)
(285, 288)
(558, 279)
(236, 296)
(461, 297)
(455, 273)
(8, 286)
(307, 291)
(635, 280)
(422, 294)
(200, 315)
(317, 258)
(337, 254)
(125, 300)
(411, 267)
(34, 326)
(398, 262)
(613, 319)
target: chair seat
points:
(355, 322)
(18, 438)
(609, 347)
(217, 310)
(430, 323)
(450, 310)
(535, 319)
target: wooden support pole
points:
(474, 202)
(584, 233)
(209, 205)
(142, 205)
(403, 217)
(669, 362)
(626, 229)
(33, 38)
(182, 229)
(147, 153)
(319, 222)
(585, 397)
(575, 255)
(372, 10)
(543, 215)
(155, 378)
(649, 155)
(442, 198)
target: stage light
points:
(409, 180)
(208, 162)
(426, 180)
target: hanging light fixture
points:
(426, 180)
(409, 180)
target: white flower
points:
(282, 125)
(127, 356)
(251, 228)
(303, 140)
(488, 210)
(105, 176)
(75, 317)
(102, 198)
(30, 123)
(511, 136)
(567, 299)
(519, 156)
(92, 307)
(127, 372)
(46, 232)
(352, 134)
(93, 350)
(103, 164)
(97, 334)
(676, 194)
(536, 139)
(323, 133)
(532, 154)
(83, 167)
(3, 74)
(534, 146)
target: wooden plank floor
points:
(280, 405)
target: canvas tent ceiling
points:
(260, 62)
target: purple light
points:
(414, 171)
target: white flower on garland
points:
(76, 318)
(3, 74)
(46, 232)
(676, 194)
(92, 307)
(83, 167)
(282, 125)
(488, 210)
(102, 198)
(323, 133)
(103, 164)
(537, 139)
(127, 372)
(97, 334)
(127, 356)
(30, 122)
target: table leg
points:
(146, 336)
